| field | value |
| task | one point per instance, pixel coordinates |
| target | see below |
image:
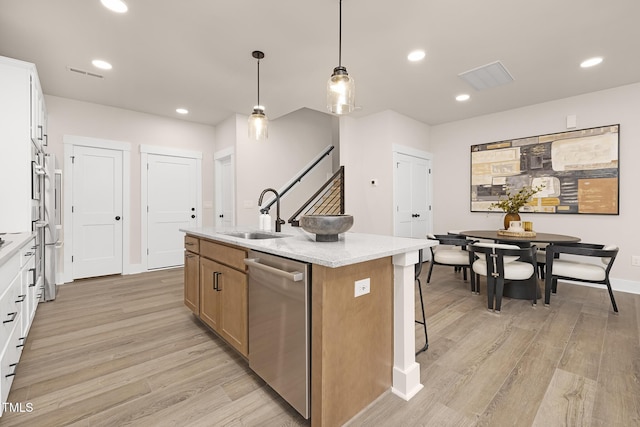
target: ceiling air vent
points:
(84, 72)
(487, 76)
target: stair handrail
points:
(340, 173)
(297, 179)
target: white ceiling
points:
(196, 54)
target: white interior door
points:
(97, 212)
(225, 190)
(171, 205)
(227, 193)
(411, 193)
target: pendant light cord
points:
(258, 81)
(340, 37)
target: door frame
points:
(70, 141)
(145, 150)
(413, 152)
(218, 158)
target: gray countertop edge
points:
(13, 243)
(352, 248)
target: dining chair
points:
(576, 269)
(451, 251)
(499, 262)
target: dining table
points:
(512, 290)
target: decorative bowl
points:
(326, 227)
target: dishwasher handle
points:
(294, 276)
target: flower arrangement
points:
(515, 201)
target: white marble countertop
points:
(12, 244)
(352, 248)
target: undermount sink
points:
(253, 235)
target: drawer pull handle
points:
(28, 254)
(216, 284)
(22, 344)
(13, 317)
(190, 244)
(13, 365)
(21, 298)
(33, 272)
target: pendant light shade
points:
(341, 88)
(258, 121)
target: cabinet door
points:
(192, 281)
(209, 294)
(233, 309)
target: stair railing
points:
(265, 208)
(328, 200)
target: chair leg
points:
(547, 289)
(499, 291)
(430, 270)
(473, 281)
(613, 300)
(491, 289)
(554, 287)
(424, 320)
(464, 272)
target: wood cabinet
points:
(222, 302)
(192, 274)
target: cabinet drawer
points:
(8, 271)
(233, 257)
(9, 361)
(9, 309)
(192, 244)
(27, 252)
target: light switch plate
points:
(635, 260)
(362, 287)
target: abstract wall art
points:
(579, 171)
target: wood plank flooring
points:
(124, 351)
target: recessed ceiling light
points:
(462, 97)
(591, 62)
(416, 55)
(103, 65)
(182, 111)
(115, 5)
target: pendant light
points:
(257, 120)
(340, 87)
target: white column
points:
(406, 371)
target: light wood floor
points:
(119, 351)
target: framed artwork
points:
(579, 171)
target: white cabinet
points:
(18, 302)
(22, 134)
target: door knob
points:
(193, 209)
(117, 218)
(220, 216)
(193, 216)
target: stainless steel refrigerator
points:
(52, 225)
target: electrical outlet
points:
(363, 287)
(635, 260)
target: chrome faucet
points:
(279, 221)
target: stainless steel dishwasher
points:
(279, 326)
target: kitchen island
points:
(360, 346)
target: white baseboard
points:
(618, 285)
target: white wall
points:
(366, 151)
(294, 140)
(70, 117)
(451, 143)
